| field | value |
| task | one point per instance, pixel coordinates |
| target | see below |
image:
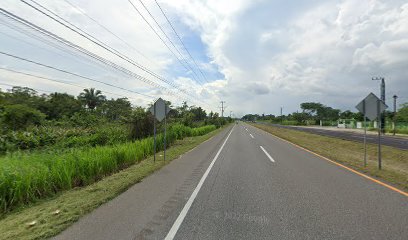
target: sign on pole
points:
(372, 107)
(159, 111)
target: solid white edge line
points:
(251, 136)
(176, 225)
(267, 154)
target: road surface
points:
(392, 141)
(246, 184)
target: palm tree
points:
(91, 98)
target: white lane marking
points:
(184, 211)
(267, 154)
(246, 129)
(251, 136)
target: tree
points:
(91, 98)
(59, 105)
(311, 108)
(19, 116)
(115, 109)
(402, 114)
(141, 123)
(300, 118)
(199, 113)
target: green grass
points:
(77, 202)
(27, 177)
(394, 160)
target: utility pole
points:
(382, 122)
(395, 114)
(281, 116)
(222, 108)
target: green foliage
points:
(141, 123)
(87, 119)
(91, 98)
(26, 177)
(63, 137)
(59, 105)
(19, 116)
(116, 109)
(318, 111)
(402, 115)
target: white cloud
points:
(272, 53)
(320, 51)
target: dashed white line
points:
(184, 211)
(251, 136)
(267, 154)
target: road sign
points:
(372, 107)
(368, 106)
(161, 110)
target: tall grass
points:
(26, 177)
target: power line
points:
(168, 38)
(105, 46)
(36, 89)
(58, 81)
(71, 73)
(182, 43)
(107, 29)
(82, 50)
(45, 41)
(91, 38)
(158, 35)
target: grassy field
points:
(48, 217)
(351, 154)
(26, 177)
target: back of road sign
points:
(161, 109)
(370, 110)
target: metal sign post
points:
(379, 133)
(165, 126)
(365, 134)
(154, 126)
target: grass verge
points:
(49, 217)
(351, 154)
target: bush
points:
(18, 116)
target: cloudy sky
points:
(257, 55)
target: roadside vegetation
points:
(313, 113)
(56, 142)
(47, 218)
(351, 154)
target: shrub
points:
(19, 116)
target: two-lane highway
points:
(263, 188)
(247, 184)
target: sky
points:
(256, 55)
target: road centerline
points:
(267, 154)
(251, 135)
(172, 233)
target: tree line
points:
(313, 112)
(22, 108)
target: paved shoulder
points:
(143, 210)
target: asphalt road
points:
(246, 184)
(392, 141)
